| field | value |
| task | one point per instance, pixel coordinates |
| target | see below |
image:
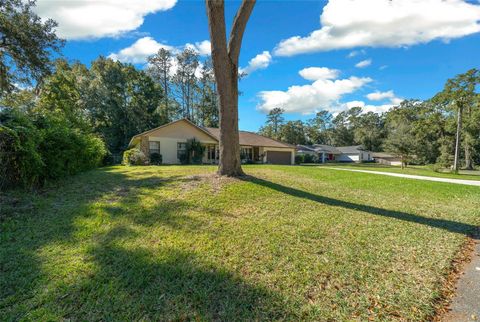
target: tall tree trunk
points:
(165, 75)
(225, 65)
(458, 139)
(468, 158)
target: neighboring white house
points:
(353, 153)
(326, 153)
(170, 139)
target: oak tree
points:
(225, 64)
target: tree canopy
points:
(417, 131)
(26, 44)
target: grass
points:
(175, 243)
(412, 169)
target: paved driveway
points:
(410, 176)
(465, 305)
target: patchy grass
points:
(177, 243)
(412, 169)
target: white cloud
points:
(367, 107)
(82, 19)
(316, 73)
(375, 96)
(378, 96)
(203, 47)
(396, 100)
(139, 51)
(363, 63)
(261, 61)
(321, 94)
(356, 53)
(385, 23)
(388, 95)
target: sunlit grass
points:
(176, 243)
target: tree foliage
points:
(418, 131)
(26, 43)
(188, 84)
(39, 146)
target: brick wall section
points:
(144, 145)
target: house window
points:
(246, 153)
(211, 155)
(154, 147)
(181, 150)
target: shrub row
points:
(35, 148)
(135, 156)
(305, 158)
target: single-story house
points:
(386, 158)
(170, 139)
(326, 153)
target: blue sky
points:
(408, 50)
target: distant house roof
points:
(353, 149)
(251, 139)
(303, 148)
(317, 148)
(326, 148)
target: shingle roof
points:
(350, 149)
(251, 139)
(319, 148)
(326, 148)
(301, 147)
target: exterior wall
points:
(178, 132)
(366, 156)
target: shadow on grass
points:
(449, 225)
(168, 285)
(127, 283)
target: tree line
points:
(444, 129)
(59, 117)
(116, 100)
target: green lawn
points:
(176, 243)
(412, 169)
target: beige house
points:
(170, 141)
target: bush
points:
(308, 158)
(195, 151)
(304, 158)
(66, 151)
(21, 164)
(134, 157)
(38, 147)
(298, 158)
(155, 158)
